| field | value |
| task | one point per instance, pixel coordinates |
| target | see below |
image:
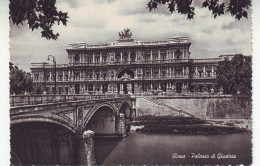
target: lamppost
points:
(54, 62)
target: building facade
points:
(128, 66)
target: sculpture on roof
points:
(125, 34)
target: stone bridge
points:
(59, 129)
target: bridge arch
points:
(126, 109)
(42, 141)
(53, 119)
(95, 109)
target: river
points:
(139, 149)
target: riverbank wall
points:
(221, 107)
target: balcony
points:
(47, 65)
(208, 60)
(129, 62)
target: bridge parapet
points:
(76, 109)
(20, 100)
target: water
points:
(139, 148)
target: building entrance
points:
(125, 76)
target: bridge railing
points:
(19, 100)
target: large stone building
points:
(128, 66)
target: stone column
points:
(120, 125)
(129, 58)
(204, 71)
(121, 57)
(183, 55)
(212, 71)
(159, 55)
(159, 72)
(63, 76)
(151, 54)
(170, 72)
(151, 75)
(85, 149)
(69, 79)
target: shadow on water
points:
(104, 146)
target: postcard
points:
(140, 82)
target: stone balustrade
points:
(19, 100)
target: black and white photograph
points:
(130, 82)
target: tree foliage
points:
(235, 75)
(20, 81)
(237, 8)
(41, 14)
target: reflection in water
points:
(103, 147)
(141, 149)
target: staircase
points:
(172, 108)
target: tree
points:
(235, 75)
(41, 14)
(237, 8)
(20, 81)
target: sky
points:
(99, 21)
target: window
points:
(60, 77)
(155, 55)
(133, 57)
(66, 77)
(77, 58)
(97, 59)
(104, 59)
(125, 57)
(200, 73)
(118, 56)
(164, 56)
(208, 73)
(178, 54)
(76, 76)
(60, 90)
(105, 76)
(89, 60)
(36, 77)
(147, 56)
